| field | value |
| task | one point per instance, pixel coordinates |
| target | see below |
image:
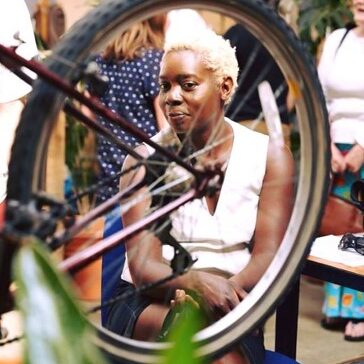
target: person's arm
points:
(146, 264)
(274, 212)
(354, 159)
(325, 63)
(150, 81)
(338, 163)
(144, 249)
(161, 119)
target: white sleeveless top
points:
(219, 241)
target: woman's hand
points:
(234, 280)
(219, 295)
(354, 159)
(338, 163)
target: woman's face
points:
(189, 95)
(358, 11)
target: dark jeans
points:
(124, 314)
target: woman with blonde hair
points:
(229, 233)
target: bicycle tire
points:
(45, 101)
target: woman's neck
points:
(218, 145)
(359, 30)
(209, 134)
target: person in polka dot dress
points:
(131, 63)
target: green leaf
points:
(185, 326)
(56, 331)
(321, 15)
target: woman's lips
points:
(176, 117)
(359, 9)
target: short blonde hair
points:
(216, 52)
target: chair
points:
(112, 262)
(272, 357)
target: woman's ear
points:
(226, 88)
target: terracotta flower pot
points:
(88, 279)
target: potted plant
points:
(319, 17)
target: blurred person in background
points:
(16, 30)
(341, 73)
(255, 66)
(130, 64)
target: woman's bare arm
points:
(144, 249)
(274, 211)
(161, 119)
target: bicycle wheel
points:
(88, 36)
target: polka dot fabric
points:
(133, 85)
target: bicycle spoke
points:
(178, 174)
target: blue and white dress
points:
(133, 86)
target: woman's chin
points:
(359, 18)
(180, 127)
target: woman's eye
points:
(189, 85)
(163, 86)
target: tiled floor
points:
(316, 345)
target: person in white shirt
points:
(341, 73)
(235, 233)
(16, 30)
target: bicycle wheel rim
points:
(314, 154)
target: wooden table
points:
(287, 312)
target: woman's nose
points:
(174, 95)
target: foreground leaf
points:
(183, 350)
(56, 331)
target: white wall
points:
(74, 10)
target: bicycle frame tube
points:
(82, 258)
(13, 61)
(7, 251)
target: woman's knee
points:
(150, 322)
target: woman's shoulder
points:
(104, 63)
(337, 32)
(151, 54)
(149, 59)
(332, 43)
(335, 36)
(249, 134)
(166, 137)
